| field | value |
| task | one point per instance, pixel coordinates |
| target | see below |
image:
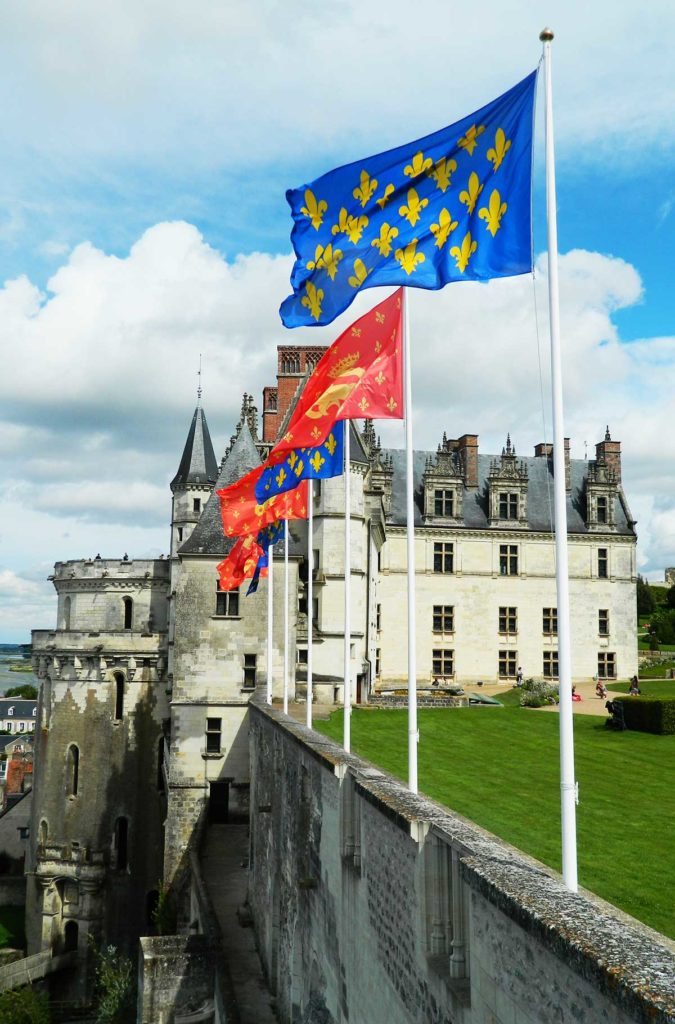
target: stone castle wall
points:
(366, 896)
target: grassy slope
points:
(499, 767)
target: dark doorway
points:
(360, 679)
(219, 803)
(70, 933)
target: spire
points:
(198, 464)
(199, 382)
(607, 437)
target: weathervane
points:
(199, 381)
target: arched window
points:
(72, 770)
(121, 844)
(119, 695)
(128, 612)
(44, 832)
(66, 613)
(70, 936)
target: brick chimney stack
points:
(609, 452)
(543, 451)
(467, 447)
(293, 363)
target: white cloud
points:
(97, 408)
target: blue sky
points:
(146, 152)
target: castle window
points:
(601, 509)
(66, 613)
(508, 506)
(290, 362)
(72, 770)
(603, 621)
(550, 664)
(271, 402)
(603, 563)
(443, 557)
(550, 621)
(378, 617)
(378, 663)
(507, 664)
(70, 936)
(128, 612)
(443, 663)
(121, 844)
(249, 670)
(301, 655)
(606, 665)
(508, 619)
(443, 618)
(10, 711)
(180, 534)
(196, 504)
(3, 768)
(508, 559)
(444, 503)
(119, 696)
(213, 735)
(227, 602)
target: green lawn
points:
(656, 671)
(648, 687)
(12, 927)
(500, 767)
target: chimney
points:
(270, 414)
(543, 451)
(467, 447)
(609, 452)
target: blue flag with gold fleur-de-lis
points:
(453, 206)
(319, 463)
(265, 539)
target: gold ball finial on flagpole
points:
(546, 35)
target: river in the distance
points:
(8, 679)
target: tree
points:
(115, 987)
(26, 691)
(24, 1006)
(670, 597)
(645, 598)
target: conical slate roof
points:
(208, 538)
(198, 464)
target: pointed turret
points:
(193, 483)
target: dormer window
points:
(601, 509)
(10, 711)
(196, 505)
(508, 505)
(444, 503)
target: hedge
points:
(650, 714)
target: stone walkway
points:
(224, 868)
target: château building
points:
(143, 722)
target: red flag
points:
(360, 376)
(240, 563)
(243, 514)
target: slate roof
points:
(198, 463)
(22, 708)
(208, 538)
(475, 500)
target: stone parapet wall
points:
(367, 896)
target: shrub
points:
(115, 987)
(650, 714)
(24, 1006)
(645, 598)
(537, 694)
(662, 626)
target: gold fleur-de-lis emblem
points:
(365, 189)
(383, 243)
(330, 445)
(288, 436)
(326, 259)
(384, 198)
(312, 299)
(378, 346)
(470, 140)
(463, 254)
(316, 433)
(441, 172)
(281, 476)
(356, 332)
(391, 405)
(314, 209)
(299, 468)
(413, 210)
(470, 195)
(418, 165)
(360, 274)
(292, 459)
(441, 231)
(379, 317)
(492, 213)
(380, 379)
(501, 147)
(408, 258)
(316, 462)
(363, 404)
(350, 226)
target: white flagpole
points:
(270, 619)
(285, 616)
(310, 595)
(567, 783)
(348, 574)
(413, 735)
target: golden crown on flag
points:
(344, 364)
